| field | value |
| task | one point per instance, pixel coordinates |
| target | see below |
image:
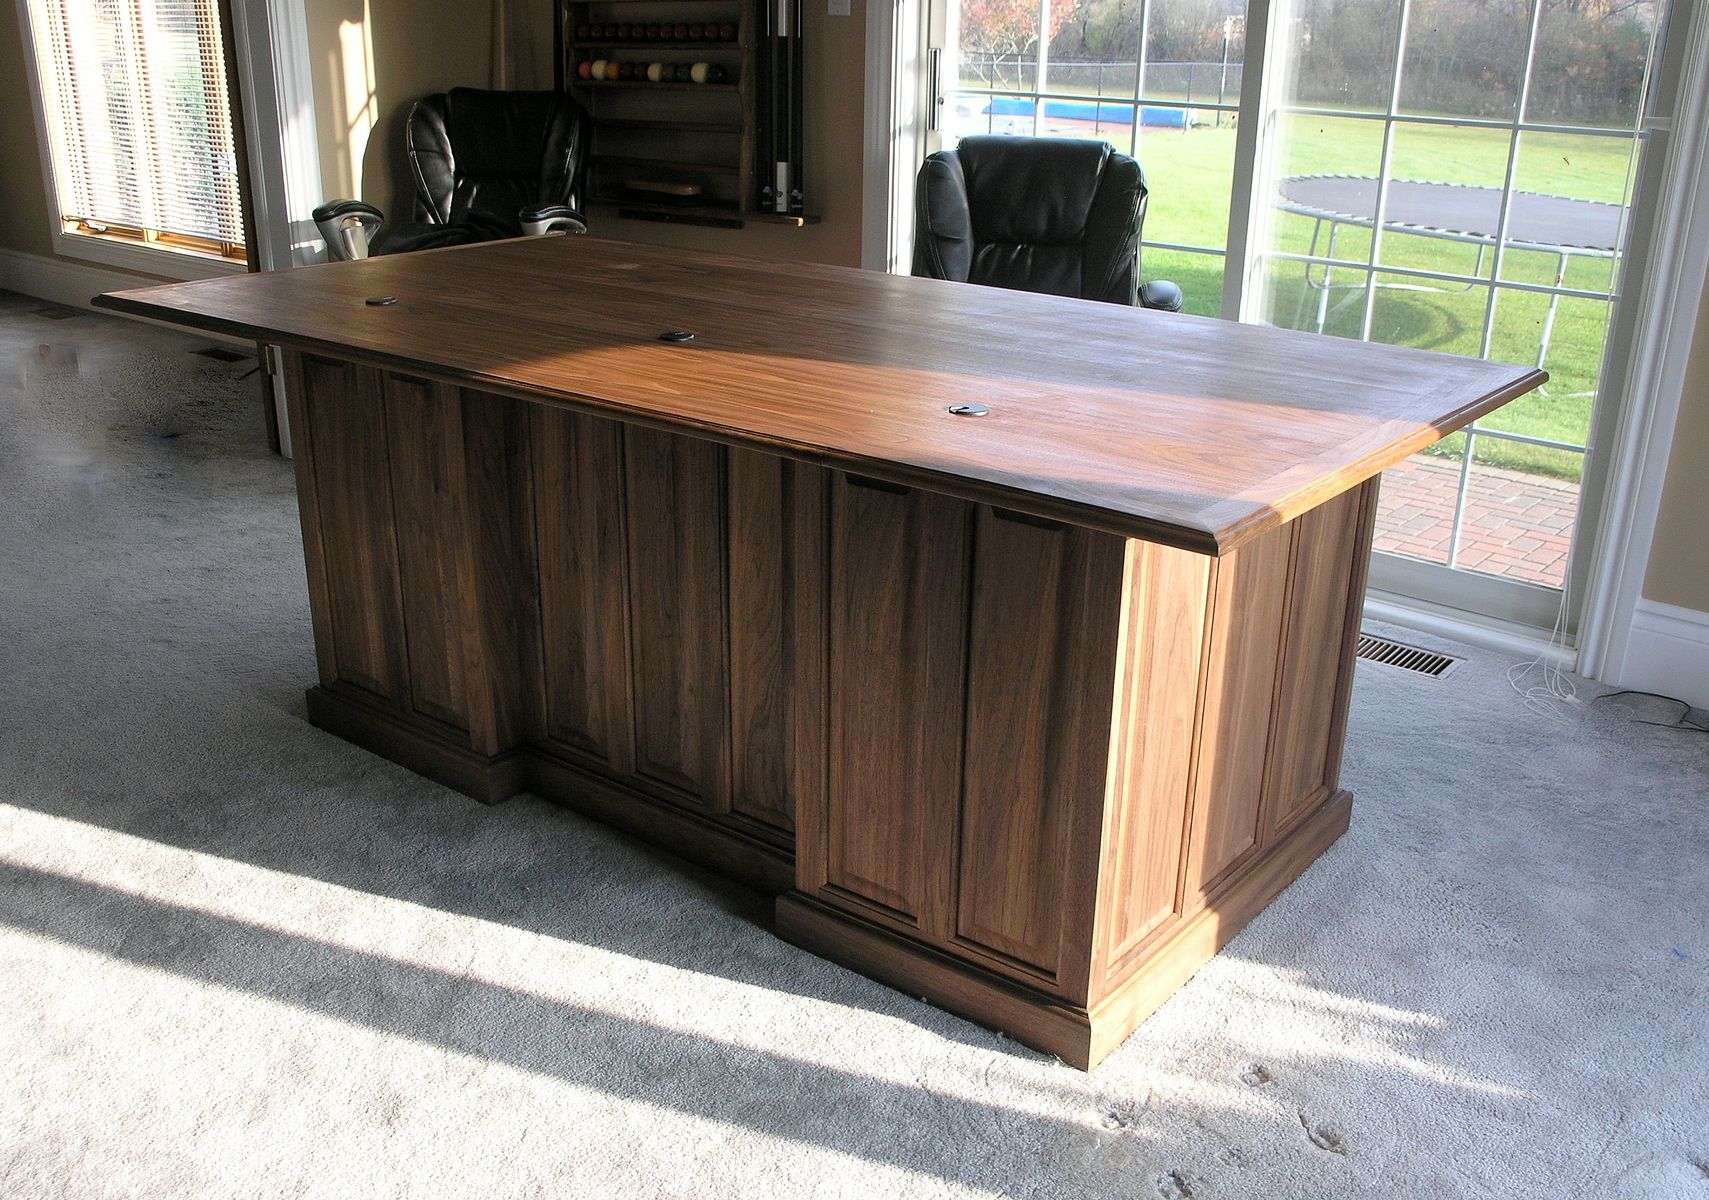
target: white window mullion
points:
(1250, 214)
(1507, 183)
(1041, 62)
(1140, 61)
(1385, 165)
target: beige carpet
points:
(241, 958)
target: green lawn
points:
(1189, 173)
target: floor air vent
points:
(56, 312)
(221, 354)
(1407, 658)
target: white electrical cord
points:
(1546, 688)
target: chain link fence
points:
(1192, 83)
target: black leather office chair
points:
(487, 165)
(1054, 215)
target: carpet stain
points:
(1122, 1114)
(1257, 1075)
(1325, 1137)
(1174, 1186)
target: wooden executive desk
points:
(1026, 713)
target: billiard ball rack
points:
(705, 93)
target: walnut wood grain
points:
(425, 441)
(1327, 547)
(355, 557)
(1010, 756)
(502, 604)
(1158, 671)
(897, 612)
(1042, 633)
(583, 585)
(776, 554)
(1240, 696)
(1189, 431)
(674, 504)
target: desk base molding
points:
(1079, 1037)
(714, 846)
(427, 753)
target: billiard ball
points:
(727, 31)
(584, 69)
(697, 73)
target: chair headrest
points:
(1031, 190)
(499, 134)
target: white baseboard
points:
(1667, 652)
(1507, 637)
(75, 284)
(62, 280)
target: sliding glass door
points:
(1458, 175)
(1450, 174)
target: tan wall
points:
(23, 195)
(370, 60)
(1679, 559)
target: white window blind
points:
(134, 92)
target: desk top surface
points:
(1192, 431)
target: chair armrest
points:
(551, 218)
(1161, 295)
(347, 227)
(333, 210)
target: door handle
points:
(936, 98)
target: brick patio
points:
(1516, 525)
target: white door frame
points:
(273, 78)
(272, 54)
(894, 140)
(1664, 322)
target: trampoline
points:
(1560, 225)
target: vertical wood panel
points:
(1039, 687)
(897, 609)
(504, 582)
(1158, 678)
(1318, 614)
(584, 622)
(304, 464)
(1362, 535)
(346, 430)
(1240, 691)
(776, 544)
(429, 492)
(674, 490)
